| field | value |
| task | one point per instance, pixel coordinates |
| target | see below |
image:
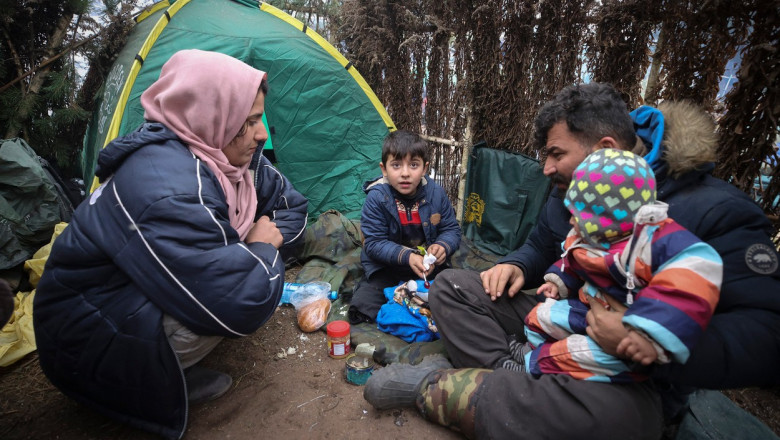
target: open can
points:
(358, 369)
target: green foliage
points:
(60, 85)
(44, 101)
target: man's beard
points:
(558, 179)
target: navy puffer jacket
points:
(154, 238)
(741, 346)
(381, 225)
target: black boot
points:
(396, 385)
(204, 384)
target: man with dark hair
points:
(480, 315)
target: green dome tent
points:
(325, 123)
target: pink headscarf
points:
(205, 98)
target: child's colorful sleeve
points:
(563, 277)
(561, 273)
(674, 309)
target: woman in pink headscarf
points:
(170, 254)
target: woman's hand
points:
(265, 231)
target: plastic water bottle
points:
(289, 288)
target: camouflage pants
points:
(503, 404)
(449, 398)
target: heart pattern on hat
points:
(606, 191)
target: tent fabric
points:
(17, 337)
(30, 204)
(505, 192)
(326, 124)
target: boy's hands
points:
(416, 263)
(439, 252)
(637, 348)
(549, 289)
(265, 231)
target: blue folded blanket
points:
(406, 314)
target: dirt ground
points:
(284, 386)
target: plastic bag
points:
(312, 305)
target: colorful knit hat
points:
(606, 191)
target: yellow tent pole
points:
(278, 13)
(116, 119)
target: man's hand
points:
(606, 326)
(496, 279)
(637, 348)
(265, 231)
(437, 251)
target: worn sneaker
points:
(204, 384)
(395, 386)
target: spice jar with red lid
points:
(338, 339)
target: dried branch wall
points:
(470, 70)
(749, 128)
(705, 36)
(618, 52)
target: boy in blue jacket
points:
(403, 211)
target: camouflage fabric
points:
(331, 252)
(391, 349)
(448, 397)
(468, 256)
(338, 311)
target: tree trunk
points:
(464, 165)
(651, 91)
(39, 77)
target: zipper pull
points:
(630, 286)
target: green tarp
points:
(504, 193)
(325, 123)
(30, 206)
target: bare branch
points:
(48, 61)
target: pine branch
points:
(45, 63)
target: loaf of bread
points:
(312, 316)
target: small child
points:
(622, 244)
(403, 211)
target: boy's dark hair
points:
(591, 111)
(401, 142)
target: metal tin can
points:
(358, 369)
